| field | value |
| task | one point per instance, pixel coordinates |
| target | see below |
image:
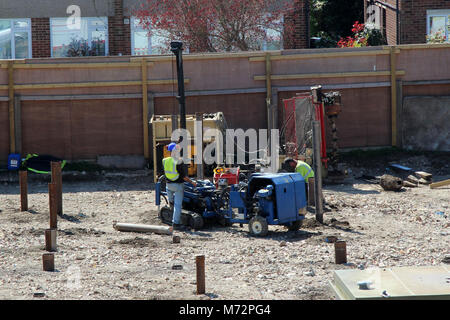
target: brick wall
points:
(296, 34)
(413, 19)
(119, 32)
(40, 37)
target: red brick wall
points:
(40, 37)
(414, 18)
(119, 32)
(296, 34)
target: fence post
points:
(394, 94)
(12, 130)
(145, 124)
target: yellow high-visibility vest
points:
(170, 168)
(304, 169)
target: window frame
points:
(139, 28)
(445, 13)
(15, 29)
(90, 28)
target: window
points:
(143, 44)
(438, 26)
(15, 38)
(90, 38)
(273, 40)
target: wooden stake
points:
(200, 262)
(53, 203)
(57, 179)
(50, 240)
(23, 181)
(48, 262)
(440, 184)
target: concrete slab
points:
(405, 283)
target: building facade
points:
(410, 21)
(48, 28)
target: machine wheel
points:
(166, 215)
(196, 221)
(257, 226)
(295, 226)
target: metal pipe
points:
(340, 249)
(53, 203)
(57, 179)
(200, 263)
(131, 227)
(23, 177)
(50, 240)
(177, 47)
(318, 172)
(48, 262)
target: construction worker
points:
(175, 172)
(299, 166)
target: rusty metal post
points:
(50, 240)
(311, 192)
(318, 172)
(53, 202)
(48, 262)
(340, 250)
(176, 239)
(198, 133)
(57, 179)
(23, 181)
(200, 263)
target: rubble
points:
(380, 229)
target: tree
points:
(333, 19)
(215, 25)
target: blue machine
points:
(267, 199)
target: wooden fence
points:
(79, 108)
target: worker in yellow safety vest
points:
(175, 173)
(299, 166)
(291, 165)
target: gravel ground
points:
(94, 261)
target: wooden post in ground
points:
(57, 179)
(53, 203)
(200, 263)
(50, 240)
(23, 181)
